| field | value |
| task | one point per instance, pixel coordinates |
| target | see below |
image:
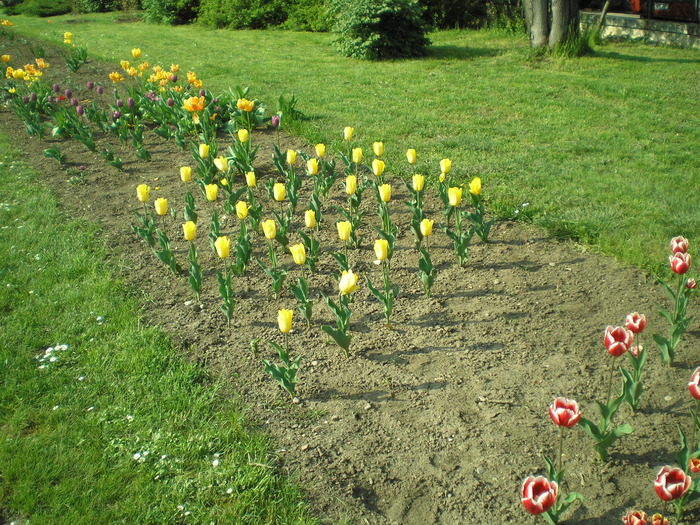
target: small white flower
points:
(137, 456)
(180, 507)
(229, 490)
(56, 407)
(90, 409)
(81, 378)
(215, 463)
(129, 417)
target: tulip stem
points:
(286, 341)
(561, 449)
(693, 444)
(610, 378)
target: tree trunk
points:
(551, 22)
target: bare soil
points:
(436, 420)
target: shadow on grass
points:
(633, 58)
(461, 52)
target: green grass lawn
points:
(116, 427)
(602, 148)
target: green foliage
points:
(448, 14)
(297, 15)
(308, 15)
(375, 30)
(96, 6)
(42, 8)
(171, 12)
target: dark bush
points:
(380, 29)
(96, 6)
(41, 8)
(172, 12)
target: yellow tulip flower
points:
(321, 150)
(243, 135)
(185, 174)
(284, 320)
(378, 148)
(223, 247)
(115, 77)
(250, 179)
(348, 282)
(212, 190)
(310, 218)
(221, 163)
(5, 58)
(312, 166)
(224, 182)
(298, 253)
(350, 184)
(378, 167)
(142, 192)
(357, 155)
(204, 150)
(426, 227)
(442, 177)
(136, 52)
(269, 229)
(190, 230)
(245, 104)
(445, 166)
(279, 191)
(418, 182)
(348, 132)
(291, 156)
(242, 210)
(411, 156)
(381, 249)
(455, 196)
(344, 230)
(475, 186)
(385, 192)
(161, 206)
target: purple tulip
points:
(120, 103)
(170, 102)
(25, 99)
(82, 168)
(172, 127)
(32, 97)
(68, 93)
(130, 102)
(56, 88)
(173, 78)
(116, 115)
(51, 99)
(80, 110)
(73, 101)
(275, 121)
(202, 92)
(100, 90)
(90, 85)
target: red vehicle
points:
(681, 10)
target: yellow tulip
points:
(378, 148)
(223, 247)
(312, 166)
(5, 58)
(204, 150)
(344, 230)
(357, 155)
(243, 135)
(212, 190)
(142, 192)
(418, 182)
(381, 249)
(291, 156)
(284, 320)
(190, 230)
(475, 186)
(221, 163)
(279, 191)
(411, 156)
(245, 104)
(250, 179)
(161, 206)
(136, 52)
(348, 132)
(321, 150)
(454, 195)
(385, 192)
(185, 173)
(348, 282)
(310, 218)
(224, 182)
(298, 253)
(350, 184)
(242, 210)
(445, 166)
(378, 167)
(269, 229)
(426, 227)
(442, 177)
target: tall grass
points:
(102, 420)
(603, 148)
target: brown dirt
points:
(437, 420)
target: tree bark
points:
(551, 22)
(537, 17)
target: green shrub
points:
(244, 14)
(308, 15)
(41, 8)
(96, 6)
(380, 29)
(448, 14)
(172, 12)
(9, 3)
